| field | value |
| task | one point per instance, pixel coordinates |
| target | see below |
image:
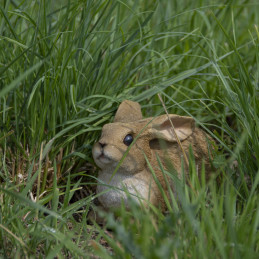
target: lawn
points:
(65, 66)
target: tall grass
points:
(64, 68)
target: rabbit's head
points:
(116, 138)
(128, 126)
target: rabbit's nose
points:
(102, 144)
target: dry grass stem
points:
(174, 132)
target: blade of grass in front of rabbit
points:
(158, 184)
(178, 141)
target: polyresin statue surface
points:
(152, 137)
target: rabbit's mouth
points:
(104, 159)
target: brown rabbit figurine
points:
(152, 136)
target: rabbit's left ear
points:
(162, 128)
(128, 111)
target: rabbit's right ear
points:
(162, 128)
(128, 111)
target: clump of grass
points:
(65, 67)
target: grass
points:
(64, 68)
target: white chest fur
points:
(116, 189)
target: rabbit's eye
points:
(128, 140)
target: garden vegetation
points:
(65, 66)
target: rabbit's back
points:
(170, 154)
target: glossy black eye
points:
(128, 140)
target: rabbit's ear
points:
(128, 111)
(162, 128)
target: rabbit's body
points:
(173, 152)
(152, 137)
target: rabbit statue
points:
(149, 136)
